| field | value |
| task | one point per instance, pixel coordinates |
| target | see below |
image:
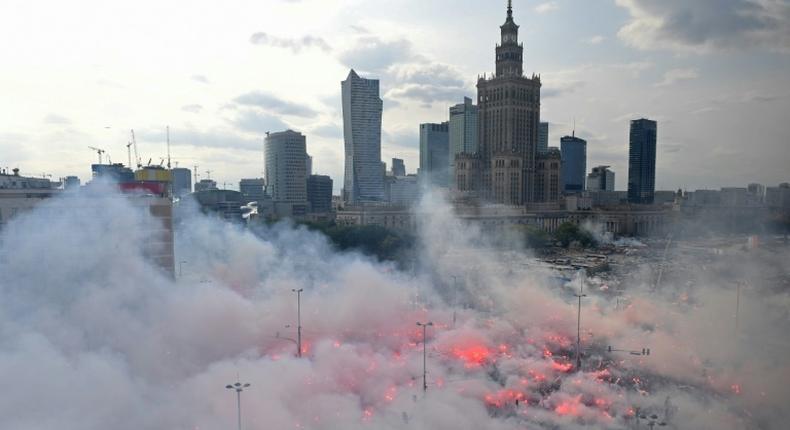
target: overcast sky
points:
(715, 74)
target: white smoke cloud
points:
(92, 336)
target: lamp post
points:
(455, 298)
(737, 307)
(181, 268)
(298, 321)
(424, 354)
(239, 387)
(579, 324)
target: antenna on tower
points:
(168, 147)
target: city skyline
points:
(220, 91)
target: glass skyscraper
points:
(434, 153)
(642, 161)
(463, 132)
(574, 163)
(362, 109)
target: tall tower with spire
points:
(508, 122)
(509, 54)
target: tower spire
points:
(510, 8)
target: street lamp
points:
(239, 387)
(424, 355)
(298, 320)
(181, 268)
(455, 298)
(579, 325)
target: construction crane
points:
(136, 157)
(129, 153)
(98, 151)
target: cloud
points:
(559, 88)
(256, 122)
(371, 54)
(274, 104)
(332, 131)
(402, 138)
(294, 44)
(707, 25)
(428, 94)
(192, 108)
(594, 40)
(53, 118)
(547, 7)
(425, 74)
(428, 83)
(212, 138)
(200, 78)
(674, 76)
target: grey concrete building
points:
(252, 190)
(182, 181)
(600, 179)
(642, 161)
(543, 138)
(362, 109)
(286, 166)
(398, 167)
(548, 178)
(434, 154)
(463, 132)
(319, 193)
(508, 117)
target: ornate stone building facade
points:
(508, 122)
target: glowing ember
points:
(569, 407)
(503, 398)
(561, 367)
(472, 356)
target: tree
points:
(568, 233)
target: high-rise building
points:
(71, 183)
(398, 167)
(308, 165)
(508, 117)
(286, 166)
(205, 185)
(113, 172)
(463, 132)
(548, 178)
(403, 190)
(600, 179)
(756, 194)
(182, 181)
(778, 197)
(362, 109)
(574, 163)
(543, 138)
(642, 161)
(252, 190)
(319, 193)
(434, 154)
